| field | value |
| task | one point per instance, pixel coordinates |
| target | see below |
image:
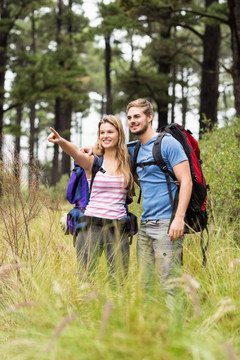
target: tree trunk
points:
(164, 69)
(210, 76)
(184, 100)
(63, 108)
(173, 102)
(17, 143)
(32, 159)
(108, 57)
(67, 109)
(5, 15)
(55, 163)
(63, 115)
(55, 174)
(66, 125)
(234, 20)
(32, 154)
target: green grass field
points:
(49, 310)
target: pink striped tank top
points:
(108, 197)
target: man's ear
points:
(150, 118)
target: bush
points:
(59, 191)
(220, 154)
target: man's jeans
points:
(156, 253)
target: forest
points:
(58, 65)
(184, 56)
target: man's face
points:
(138, 122)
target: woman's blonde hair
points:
(122, 153)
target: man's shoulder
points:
(172, 149)
(132, 144)
(169, 141)
(167, 137)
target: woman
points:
(106, 211)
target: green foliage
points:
(13, 129)
(60, 189)
(218, 11)
(220, 153)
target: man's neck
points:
(149, 134)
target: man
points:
(159, 246)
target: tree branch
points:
(192, 30)
(203, 14)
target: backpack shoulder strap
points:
(133, 149)
(74, 191)
(135, 154)
(97, 166)
(157, 154)
(140, 164)
(134, 161)
(179, 133)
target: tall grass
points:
(48, 310)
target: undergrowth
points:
(49, 310)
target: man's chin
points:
(137, 131)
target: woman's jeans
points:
(104, 235)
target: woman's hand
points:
(54, 137)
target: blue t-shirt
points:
(156, 202)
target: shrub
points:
(220, 154)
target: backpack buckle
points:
(164, 168)
(141, 165)
(102, 170)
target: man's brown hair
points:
(142, 103)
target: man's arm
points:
(89, 151)
(183, 175)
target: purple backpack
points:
(78, 193)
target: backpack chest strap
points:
(143, 164)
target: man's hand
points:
(87, 150)
(176, 228)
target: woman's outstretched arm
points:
(83, 160)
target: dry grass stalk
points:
(230, 352)
(191, 287)
(225, 306)
(21, 305)
(19, 206)
(233, 263)
(67, 320)
(7, 268)
(105, 316)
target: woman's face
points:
(108, 135)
